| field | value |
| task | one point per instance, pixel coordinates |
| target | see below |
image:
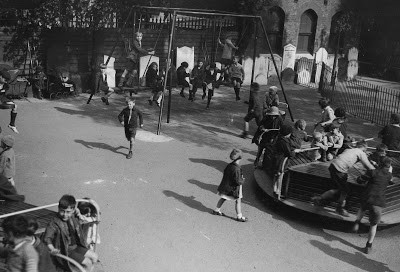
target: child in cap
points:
(102, 85)
(267, 132)
(7, 158)
(319, 140)
(64, 235)
(230, 187)
(335, 141)
(236, 72)
(373, 199)
(183, 78)
(5, 77)
(129, 119)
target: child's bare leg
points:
(238, 207)
(372, 233)
(219, 204)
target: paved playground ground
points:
(156, 206)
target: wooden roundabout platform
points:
(302, 179)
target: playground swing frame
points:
(182, 11)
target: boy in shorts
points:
(128, 118)
(64, 235)
(373, 198)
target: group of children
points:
(68, 233)
(329, 142)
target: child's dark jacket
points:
(374, 193)
(57, 234)
(133, 123)
(181, 75)
(231, 180)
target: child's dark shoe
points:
(368, 248)
(103, 99)
(129, 156)
(214, 212)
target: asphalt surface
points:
(156, 207)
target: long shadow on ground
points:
(101, 145)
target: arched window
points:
(336, 39)
(275, 20)
(308, 25)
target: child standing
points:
(4, 78)
(230, 187)
(390, 134)
(183, 78)
(128, 118)
(64, 235)
(38, 83)
(319, 140)
(45, 261)
(338, 170)
(21, 256)
(335, 141)
(7, 158)
(236, 73)
(255, 110)
(373, 199)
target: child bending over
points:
(64, 235)
(390, 134)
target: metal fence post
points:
(374, 107)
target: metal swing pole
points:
(276, 67)
(167, 71)
(254, 51)
(113, 48)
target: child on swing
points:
(183, 78)
(210, 80)
(226, 58)
(128, 118)
(236, 73)
(134, 55)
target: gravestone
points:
(320, 57)
(352, 66)
(289, 56)
(185, 54)
(260, 70)
(288, 61)
(304, 70)
(271, 67)
(110, 71)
